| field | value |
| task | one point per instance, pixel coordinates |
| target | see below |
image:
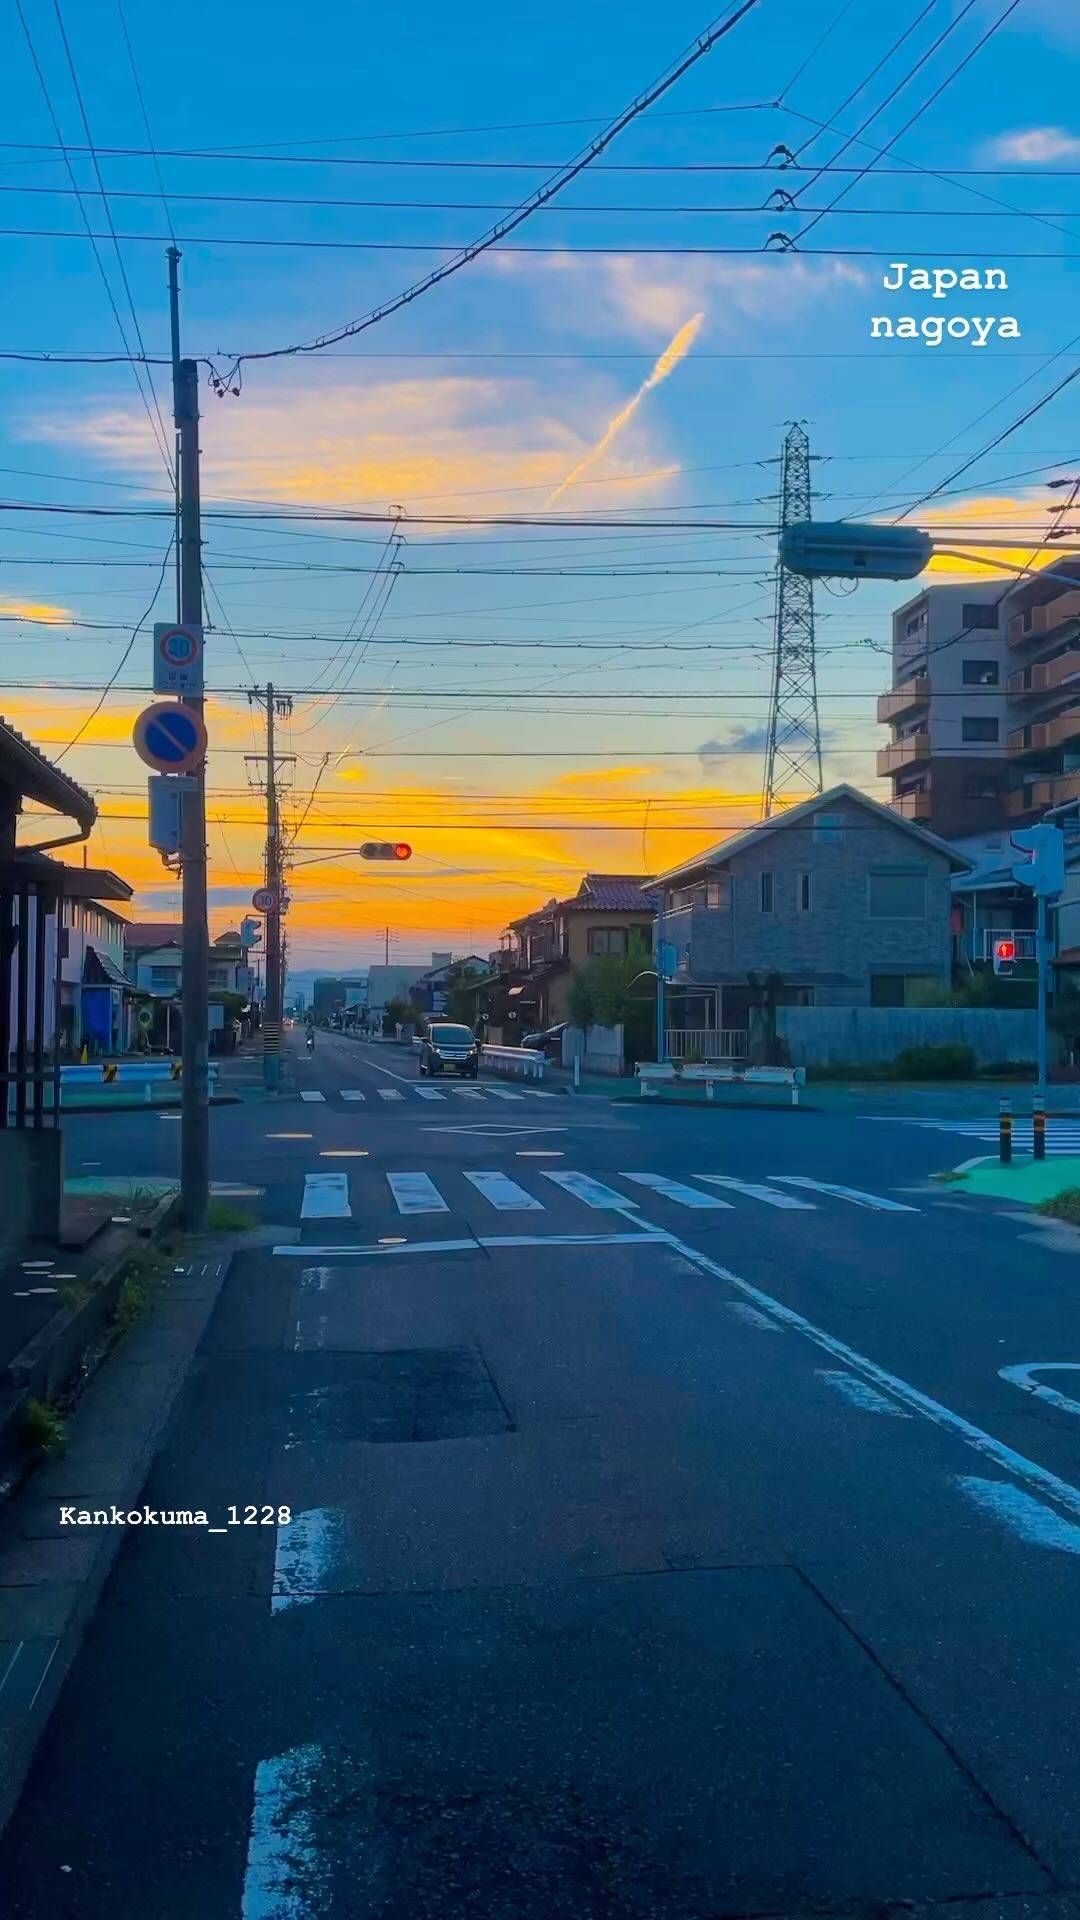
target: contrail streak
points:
(676, 350)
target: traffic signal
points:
(1044, 868)
(386, 850)
(1004, 956)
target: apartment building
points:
(1042, 640)
(948, 759)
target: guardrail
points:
(144, 1073)
(726, 1073)
(528, 1062)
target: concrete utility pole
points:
(277, 706)
(194, 985)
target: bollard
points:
(577, 1070)
(1038, 1129)
(1005, 1133)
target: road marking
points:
(593, 1192)
(504, 1093)
(855, 1194)
(674, 1190)
(650, 1237)
(416, 1193)
(283, 1863)
(752, 1318)
(1039, 1526)
(314, 1279)
(858, 1394)
(352, 1093)
(1018, 1464)
(430, 1093)
(468, 1093)
(504, 1193)
(304, 1552)
(1021, 1377)
(389, 1093)
(493, 1132)
(313, 1096)
(326, 1197)
(756, 1192)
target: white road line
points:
(1021, 1377)
(1039, 1526)
(858, 1394)
(430, 1093)
(756, 1192)
(652, 1236)
(389, 1093)
(504, 1093)
(752, 1318)
(416, 1193)
(674, 1190)
(854, 1194)
(504, 1193)
(326, 1197)
(1017, 1464)
(305, 1550)
(352, 1093)
(313, 1096)
(593, 1192)
(283, 1863)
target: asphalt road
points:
(663, 1540)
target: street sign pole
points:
(194, 983)
(1041, 955)
(661, 1005)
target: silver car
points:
(447, 1048)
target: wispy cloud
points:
(35, 610)
(1035, 146)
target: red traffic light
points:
(1005, 950)
(386, 850)
(402, 850)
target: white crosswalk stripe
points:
(468, 1093)
(416, 1193)
(858, 1198)
(429, 1093)
(312, 1096)
(352, 1093)
(503, 1093)
(593, 1192)
(1062, 1136)
(754, 1191)
(503, 1193)
(683, 1196)
(389, 1093)
(326, 1197)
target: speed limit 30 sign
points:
(178, 659)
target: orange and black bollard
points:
(1038, 1129)
(1005, 1133)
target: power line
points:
(77, 738)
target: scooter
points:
(311, 1043)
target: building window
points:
(217, 977)
(828, 826)
(804, 893)
(766, 892)
(164, 977)
(914, 622)
(897, 893)
(980, 727)
(886, 989)
(980, 673)
(608, 939)
(973, 616)
(980, 786)
(718, 893)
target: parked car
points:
(448, 1048)
(549, 1041)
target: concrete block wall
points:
(828, 1036)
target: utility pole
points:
(277, 707)
(194, 985)
(387, 947)
(793, 752)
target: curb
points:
(148, 1106)
(50, 1582)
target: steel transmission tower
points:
(793, 749)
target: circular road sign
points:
(264, 899)
(145, 1018)
(179, 646)
(170, 738)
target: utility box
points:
(166, 796)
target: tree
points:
(460, 1000)
(611, 992)
(396, 1010)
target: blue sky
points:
(487, 392)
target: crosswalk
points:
(419, 1192)
(1062, 1136)
(414, 1090)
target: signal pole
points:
(194, 984)
(793, 753)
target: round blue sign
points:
(170, 738)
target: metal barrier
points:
(728, 1073)
(708, 1043)
(526, 1061)
(144, 1073)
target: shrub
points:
(1009, 1070)
(952, 1062)
(43, 1429)
(1063, 1206)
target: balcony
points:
(1038, 795)
(1044, 677)
(904, 698)
(1026, 628)
(903, 753)
(1046, 736)
(912, 806)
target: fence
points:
(127, 1073)
(706, 1043)
(828, 1036)
(600, 1050)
